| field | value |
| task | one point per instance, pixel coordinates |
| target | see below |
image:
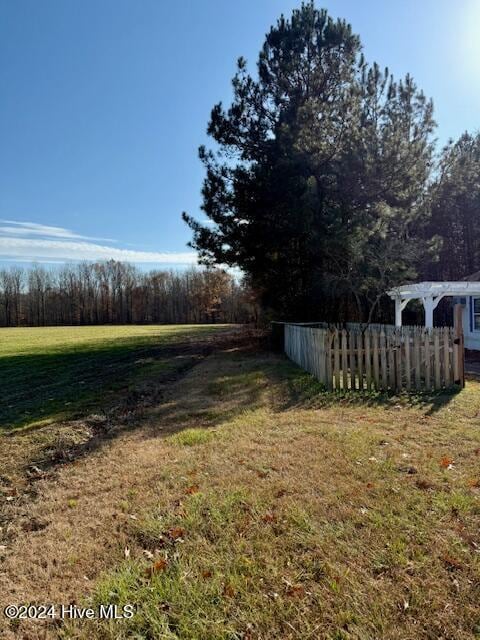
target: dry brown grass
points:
(301, 516)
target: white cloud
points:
(67, 246)
(34, 229)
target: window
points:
(476, 314)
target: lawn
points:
(283, 512)
(53, 373)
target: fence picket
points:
(368, 362)
(427, 357)
(417, 357)
(344, 360)
(398, 360)
(447, 378)
(352, 360)
(376, 368)
(408, 371)
(437, 361)
(383, 360)
(336, 357)
(391, 360)
(360, 353)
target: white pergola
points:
(430, 293)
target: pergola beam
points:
(430, 293)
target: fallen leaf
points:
(269, 517)
(296, 591)
(191, 490)
(451, 563)
(228, 590)
(175, 533)
(157, 567)
(446, 462)
(207, 574)
(262, 474)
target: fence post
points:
(328, 358)
(458, 346)
(277, 336)
(408, 369)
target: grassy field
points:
(53, 373)
(284, 513)
(250, 505)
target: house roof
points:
(473, 277)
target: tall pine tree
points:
(318, 169)
(455, 210)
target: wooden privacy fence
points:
(378, 357)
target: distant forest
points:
(119, 293)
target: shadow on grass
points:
(47, 446)
(238, 381)
(244, 381)
(304, 389)
(65, 383)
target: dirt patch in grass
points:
(248, 506)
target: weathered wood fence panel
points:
(380, 357)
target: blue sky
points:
(104, 103)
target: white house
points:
(465, 292)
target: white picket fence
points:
(380, 357)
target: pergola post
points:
(399, 307)
(398, 312)
(429, 304)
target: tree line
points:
(324, 184)
(118, 293)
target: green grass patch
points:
(192, 437)
(53, 373)
(222, 572)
